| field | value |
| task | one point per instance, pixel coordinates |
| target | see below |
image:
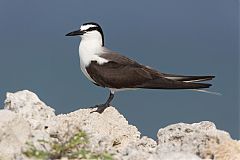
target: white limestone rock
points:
(30, 107)
(27, 119)
(14, 133)
(177, 156)
(32, 110)
(109, 129)
(199, 138)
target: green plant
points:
(74, 148)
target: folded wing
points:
(122, 72)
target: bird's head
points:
(89, 31)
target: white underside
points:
(121, 89)
(83, 68)
(85, 61)
(89, 50)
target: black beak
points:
(75, 33)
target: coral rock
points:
(25, 118)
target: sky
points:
(183, 37)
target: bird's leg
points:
(102, 107)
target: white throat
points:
(89, 50)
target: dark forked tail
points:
(183, 82)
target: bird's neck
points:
(90, 45)
(89, 49)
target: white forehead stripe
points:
(85, 27)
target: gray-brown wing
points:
(118, 58)
(131, 75)
(125, 61)
(115, 75)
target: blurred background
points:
(185, 37)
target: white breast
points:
(89, 51)
(83, 68)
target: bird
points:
(112, 70)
